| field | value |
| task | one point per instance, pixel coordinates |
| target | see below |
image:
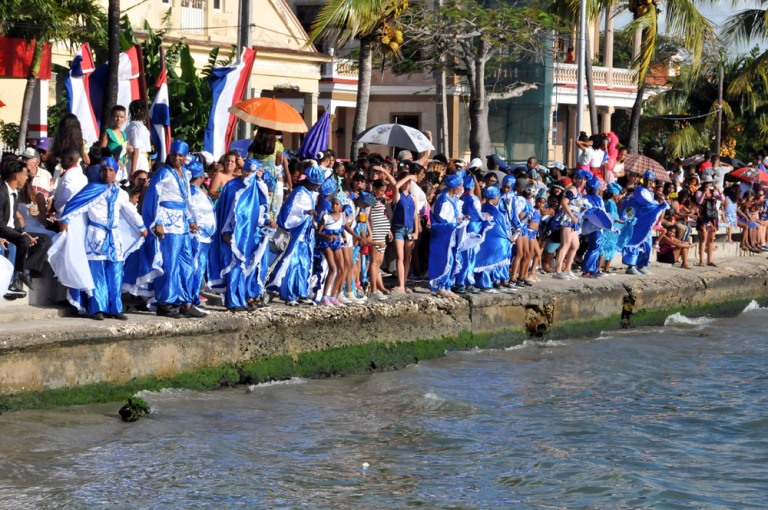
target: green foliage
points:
(134, 409)
(9, 133)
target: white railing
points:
(340, 68)
(193, 17)
(601, 76)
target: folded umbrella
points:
(316, 139)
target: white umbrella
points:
(396, 135)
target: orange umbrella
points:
(269, 113)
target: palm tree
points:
(684, 21)
(342, 21)
(66, 21)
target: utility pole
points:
(718, 138)
(244, 41)
(581, 70)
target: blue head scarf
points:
(469, 182)
(367, 199)
(454, 181)
(196, 169)
(110, 162)
(614, 188)
(583, 174)
(649, 175)
(251, 165)
(492, 192)
(594, 183)
(329, 186)
(509, 181)
(315, 175)
(179, 147)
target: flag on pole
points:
(128, 81)
(228, 85)
(78, 89)
(160, 117)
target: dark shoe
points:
(192, 312)
(460, 290)
(97, 316)
(473, 290)
(238, 309)
(168, 311)
(25, 279)
(15, 291)
(118, 316)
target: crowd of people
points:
(270, 227)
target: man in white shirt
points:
(72, 180)
(41, 178)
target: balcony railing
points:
(340, 68)
(617, 77)
(193, 17)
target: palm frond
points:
(648, 25)
(344, 20)
(685, 21)
(746, 25)
(687, 140)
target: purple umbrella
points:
(316, 139)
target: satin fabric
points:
(445, 237)
(495, 253)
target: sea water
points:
(663, 417)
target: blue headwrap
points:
(179, 147)
(461, 173)
(454, 181)
(649, 175)
(583, 174)
(251, 165)
(469, 182)
(614, 188)
(594, 183)
(329, 186)
(315, 175)
(492, 192)
(110, 162)
(196, 169)
(509, 180)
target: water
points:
(666, 417)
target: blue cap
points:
(196, 169)
(179, 147)
(315, 175)
(469, 181)
(491, 192)
(252, 165)
(583, 174)
(614, 188)
(509, 181)
(497, 160)
(110, 162)
(649, 175)
(329, 186)
(454, 181)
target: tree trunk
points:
(634, 122)
(110, 94)
(364, 72)
(29, 91)
(590, 87)
(479, 134)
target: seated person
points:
(671, 249)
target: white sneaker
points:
(341, 298)
(560, 276)
(379, 296)
(571, 275)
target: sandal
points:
(408, 291)
(711, 264)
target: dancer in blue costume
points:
(204, 217)
(99, 227)
(447, 232)
(642, 207)
(467, 252)
(492, 261)
(611, 237)
(241, 213)
(166, 268)
(593, 230)
(290, 274)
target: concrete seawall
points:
(75, 359)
